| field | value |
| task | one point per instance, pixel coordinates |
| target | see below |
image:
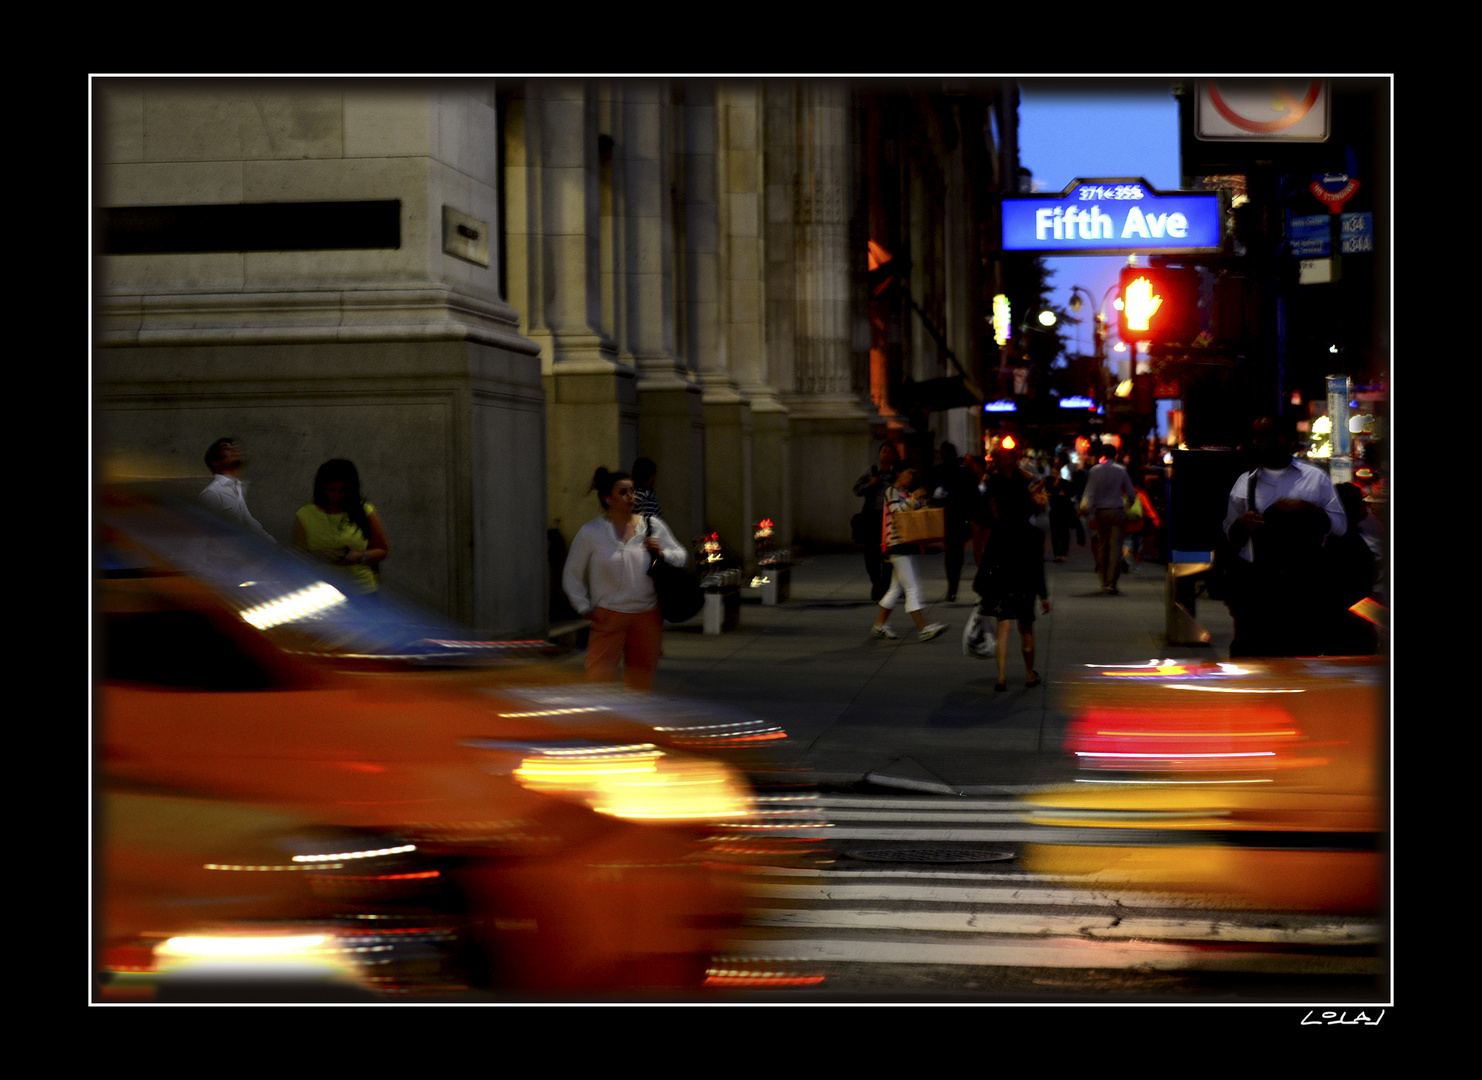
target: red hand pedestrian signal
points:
(1159, 305)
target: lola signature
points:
(1329, 1017)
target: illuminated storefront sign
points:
(1002, 326)
(1112, 217)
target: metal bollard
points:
(773, 584)
(722, 601)
(714, 612)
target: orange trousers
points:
(633, 639)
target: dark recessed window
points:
(300, 226)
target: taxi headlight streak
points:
(638, 783)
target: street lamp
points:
(1076, 292)
(1099, 327)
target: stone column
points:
(705, 254)
(744, 192)
(553, 224)
(671, 425)
(830, 424)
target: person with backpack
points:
(1281, 515)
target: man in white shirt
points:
(1108, 487)
(1279, 535)
(225, 494)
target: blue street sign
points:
(1113, 217)
(1358, 233)
(1309, 235)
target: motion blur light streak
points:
(419, 875)
(301, 604)
(560, 768)
(1163, 781)
(637, 783)
(555, 712)
(239, 955)
(1113, 754)
(249, 947)
(744, 977)
(1153, 670)
(1234, 689)
(1169, 735)
(344, 856)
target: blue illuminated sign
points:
(1113, 217)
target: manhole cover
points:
(930, 855)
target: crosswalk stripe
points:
(1110, 927)
(940, 804)
(907, 914)
(1063, 953)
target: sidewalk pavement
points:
(916, 715)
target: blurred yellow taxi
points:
(1257, 782)
(288, 805)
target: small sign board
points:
(1309, 236)
(1357, 234)
(1262, 110)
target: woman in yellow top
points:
(341, 527)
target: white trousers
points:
(904, 581)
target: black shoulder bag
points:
(680, 595)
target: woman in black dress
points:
(1012, 574)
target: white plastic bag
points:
(980, 636)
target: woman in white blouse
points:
(606, 579)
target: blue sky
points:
(1115, 131)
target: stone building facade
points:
(481, 290)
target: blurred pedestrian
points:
(1062, 508)
(903, 494)
(606, 579)
(866, 530)
(1280, 516)
(1364, 523)
(1142, 522)
(1108, 489)
(955, 489)
(645, 501)
(1008, 582)
(227, 492)
(341, 526)
(1080, 471)
(1010, 490)
(1353, 565)
(982, 514)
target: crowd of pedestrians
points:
(1300, 553)
(1304, 551)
